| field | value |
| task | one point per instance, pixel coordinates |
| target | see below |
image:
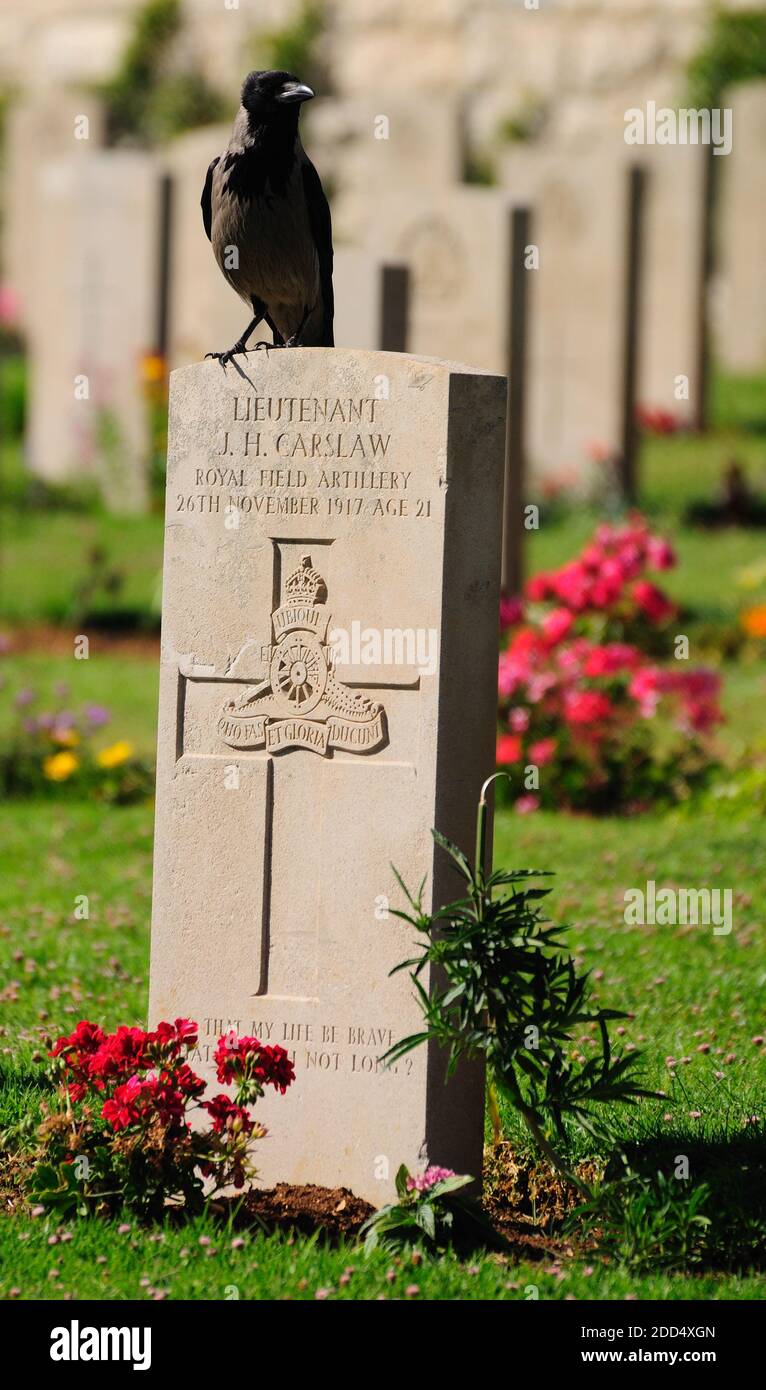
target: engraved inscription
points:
(313, 457)
(354, 1049)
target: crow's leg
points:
(278, 339)
(259, 310)
(295, 338)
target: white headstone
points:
(457, 245)
(322, 499)
(455, 242)
(40, 127)
(205, 313)
(741, 310)
(368, 149)
(673, 247)
(91, 322)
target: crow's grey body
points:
(269, 224)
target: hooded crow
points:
(268, 220)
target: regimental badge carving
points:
(301, 703)
(436, 257)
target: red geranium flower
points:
(84, 1040)
(586, 706)
(653, 603)
(614, 657)
(542, 751)
(224, 1114)
(508, 748)
(239, 1059)
(182, 1033)
(557, 625)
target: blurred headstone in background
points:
(371, 302)
(55, 123)
(455, 242)
(575, 330)
(205, 313)
(58, 43)
(674, 242)
(741, 239)
(92, 322)
(371, 148)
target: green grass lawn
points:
(693, 996)
(199, 1262)
(48, 562)
(126, 686)
(686, 989)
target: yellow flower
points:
(116, 754)
(754, 620)
(68, 738)
(152, 368)
(59, 766)
(752, 575)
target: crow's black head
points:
(266, 95)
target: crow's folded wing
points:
(206, 199)
(321, 231)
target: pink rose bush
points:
(583, 697)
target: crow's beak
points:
(294, 91)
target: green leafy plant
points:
(13, 394)
(734, 51)
(294, 47)
(504, 989)
(526, 122)
(433, 1211)
(645, 1223)
(146, 101)
(479, 169)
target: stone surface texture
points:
(314, 493)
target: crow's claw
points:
(224, 357)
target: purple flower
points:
(61, 690)
(24, 697)
(425, 1181)
(30, 726)
(97, 715)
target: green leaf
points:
(401, 1181)
(447, 1185)
(455, 854)
(426, 1218)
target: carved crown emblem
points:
(305, 584)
